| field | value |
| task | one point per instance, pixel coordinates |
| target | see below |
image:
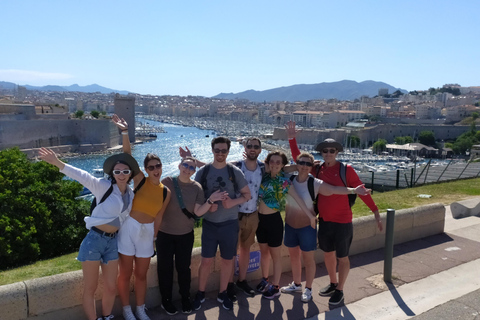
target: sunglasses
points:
(157, 166)
(305, 163)
(250, 146)
(329, 150)
(222, 151)
(189, 167)
(125, 172)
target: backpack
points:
(105, 196)
(343, 176)
(231, 177)
(311, 189)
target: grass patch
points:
(445, 193)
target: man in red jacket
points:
(335, 229)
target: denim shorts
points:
(305, 237)
(97, 247)
(223, 235)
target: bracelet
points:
(125, 133)
(210, 202)
(352, 190)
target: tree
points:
(427, 138)
(400, 140)
(408, 139)
(79, 114)
(39, 215)
(95, 113)
(353, 141)
(379, 146)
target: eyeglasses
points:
(125, 172)
(329, 150)
(222, 151)
(276, 162)
(189, 167)
(157, 166)
(305, 163)
(254, 146)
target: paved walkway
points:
(433, 278)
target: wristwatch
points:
(209, 201)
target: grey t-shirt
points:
(218, 179)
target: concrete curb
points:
(52, 297)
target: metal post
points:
(397, 184)
(389, 232)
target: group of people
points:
(239, 201)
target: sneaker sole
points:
(291, 291)
(326, 294)
(306, 300)
(221, 301)
(187, 312)
(272, 297)
(201, 301)
(169, 313)
(335, 303)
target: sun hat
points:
(125, 158)
(329, 143)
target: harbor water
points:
(166, 146)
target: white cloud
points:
(30, 76)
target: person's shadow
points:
(298, 309)
(339, 312)
(266, 311)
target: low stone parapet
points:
(60, 296)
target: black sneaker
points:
(232, 294)
(186, 305)
(271, 292)
(328, 290)
(336, 298)
(246, 288)
(169, 308)
(199, 299)
(262, 286)
(225, 300)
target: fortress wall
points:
(46, 133)
(59, 296)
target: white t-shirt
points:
(254, 179)
(294, 215)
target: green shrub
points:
(39, 215)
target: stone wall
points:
(47, 133)
(60, 296)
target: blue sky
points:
(208, 47)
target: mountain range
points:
(74, 87)
(341, 90)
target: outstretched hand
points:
(361, 190)
(120, 123)
(184, 153)
(291, 131)
(49, 156)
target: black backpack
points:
(238, 164)
(105, 196)
(343, 176)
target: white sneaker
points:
(307, 295)
(140, 313)
(128, 314)
(291, 288)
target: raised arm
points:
(123, 126)
(49, 156)
(187, 153)
(291, 134)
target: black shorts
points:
(333, 236)
(270, 229)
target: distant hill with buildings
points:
(341, 90)
(74, 87)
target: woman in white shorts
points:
(136, 237)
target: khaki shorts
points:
(247, 227)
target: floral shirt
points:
(273, 190)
